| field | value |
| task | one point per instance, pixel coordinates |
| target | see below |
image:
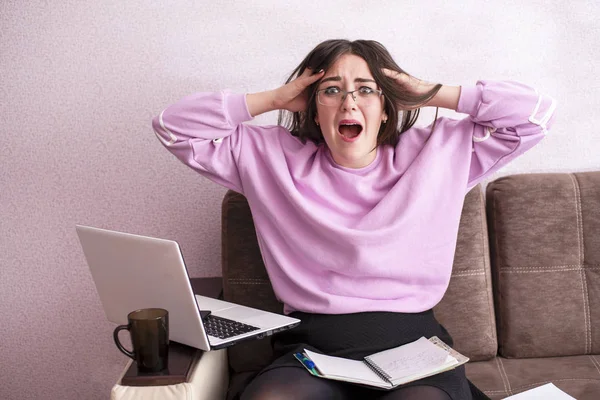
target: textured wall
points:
(80, 81)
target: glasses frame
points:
(345, 94)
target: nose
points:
(348, 102)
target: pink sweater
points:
(380, 238)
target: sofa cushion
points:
(579, 376)
(467, 309)
(545, 247)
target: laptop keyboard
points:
(224, 328)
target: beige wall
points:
(80, 81)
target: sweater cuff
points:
(235, 108)
(469, 100)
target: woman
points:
(356, 210)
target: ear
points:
(384, 117)
(317, 120)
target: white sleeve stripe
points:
(172, 137)
(535, 110)
(488, 132)
(549, 112)
(542, 122)
(164, 141)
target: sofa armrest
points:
(209, 381)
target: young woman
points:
(356, 210)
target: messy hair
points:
(396, 98)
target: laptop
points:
(132, 272)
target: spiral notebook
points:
(389, 368)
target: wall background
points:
(81, 79)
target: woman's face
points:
(350, 127)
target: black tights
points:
(291, 383)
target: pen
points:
(307, 362)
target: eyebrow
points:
(339, 78)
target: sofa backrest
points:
(545, 249)
(245, 280)
(466, 310)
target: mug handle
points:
(118, 342)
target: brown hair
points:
(302, 124)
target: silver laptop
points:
(133, 272)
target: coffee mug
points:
(149, 331)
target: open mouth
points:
(350, 130)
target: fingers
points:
(398, 76)
(309, 77)
(306, 79)
(390, 73)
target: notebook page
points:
(350, 370)
(420, 356)
(450, 363)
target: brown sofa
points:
(524, 298)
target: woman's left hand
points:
(409, 83)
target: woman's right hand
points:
(294, 96)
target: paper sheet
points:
(545, 392)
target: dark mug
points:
(149, 331)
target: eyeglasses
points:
(333, 96)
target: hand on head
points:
(294, 95)
(409, 83)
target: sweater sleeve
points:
(505, 120)
(203, 131)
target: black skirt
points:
(358, 335)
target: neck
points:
(353, 162)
